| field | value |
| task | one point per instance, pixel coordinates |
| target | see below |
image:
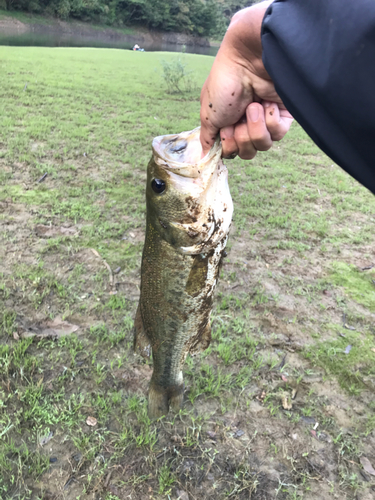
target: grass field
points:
(281, 405)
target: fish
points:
(189, 214)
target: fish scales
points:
(189, 212)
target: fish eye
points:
(158, 186)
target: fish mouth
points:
(181, 153)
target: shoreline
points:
(22, 24)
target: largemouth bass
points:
(189, 213)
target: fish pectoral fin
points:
(142, 344)
(201, 341)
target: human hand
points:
(239, 98)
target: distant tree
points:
(198, 17)
(230, 7)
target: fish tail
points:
(157, 402)
(176, 398)
(161, 398)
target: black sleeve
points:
(321, 57)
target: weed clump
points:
(359, 285)
(353, 369)
(177, 78)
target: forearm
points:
(321, 56)
(242, 41)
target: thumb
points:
(278, 119)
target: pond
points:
(32, 39)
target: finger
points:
(246, 149)
(278, 121)
(208, 132)
(256, 124)
(228, 142)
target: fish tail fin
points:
(176, 397)
(161, 398)
(142, 343)
(158, 404)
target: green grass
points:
(352, 368)
(291, 298)
(360, 285)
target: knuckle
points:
(247, 156)
(277, 137)
(277, 130)
(263, 146)
(248, 152)
(261, 138)
(277, 134)
(242, 136)
(229, 152)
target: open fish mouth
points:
(181, 153)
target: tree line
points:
(197, 17)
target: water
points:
(100, 41)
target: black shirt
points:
(321, 57)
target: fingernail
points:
(254, 113)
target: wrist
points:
(242, 41)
